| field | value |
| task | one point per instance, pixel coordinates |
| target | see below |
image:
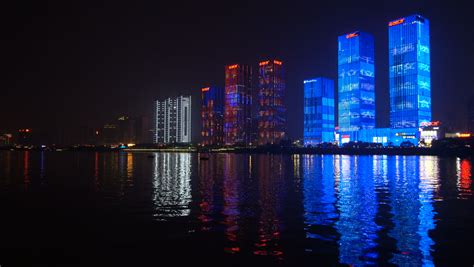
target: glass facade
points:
(409, 67)
(318, 111)
(212, 116)
(356, 83)
(238, 105)
(271, 107)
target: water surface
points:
(236, 209)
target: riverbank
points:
(457, 152)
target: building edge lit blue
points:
(409, 71)
(409, 85)
(319, 111)
(356, 84)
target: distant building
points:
(409, 68)
(319, 109)
(126, 129)
(110, 134)
(5, 139)
(25, 137)
(143, 130)
(271, 107)
(238, 105)
(173, 120)
(356, 84)
(212, 116)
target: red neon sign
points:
(277, 62)
(233, 66)
(205, 89)
(396, 22)
(351, 35)
(263, 63)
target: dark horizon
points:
(79, 65)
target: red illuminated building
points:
(212, 116)
(238, 105)
(271, 109)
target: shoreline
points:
(415, 151)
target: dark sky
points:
(73, 63)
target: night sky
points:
(69, 64)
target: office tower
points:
(212, 116)
(409, 67)
(126, 130)
(238, 105)
(318, 111)
(356, 84)
(173, 120)
(110, 134)
(271, 107)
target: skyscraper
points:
(409, 67)
(238, 105)
(212, 116)
(173, 120)
(356, 83)
(271, 108)
(318, 111)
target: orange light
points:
(463, 135)
(396, 22)
(205, 89)
(277, 62)
(27, 130)
(233, 66)
(351, 35)
(263, 63)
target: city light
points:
(351, 35)
(396, 22)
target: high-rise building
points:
(126, 130)
(409, 67)
(356, 84)
(271, 107)
(238, 105)
(173, 120)
(212, 116)
(318, 111)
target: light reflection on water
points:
(171, 184)
(355, 210)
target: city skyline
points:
(298, 68)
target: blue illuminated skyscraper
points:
(318, 111)
(409, 66)
(356, 84)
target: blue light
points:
(356, 86)
(318, 111)
(409, 70)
